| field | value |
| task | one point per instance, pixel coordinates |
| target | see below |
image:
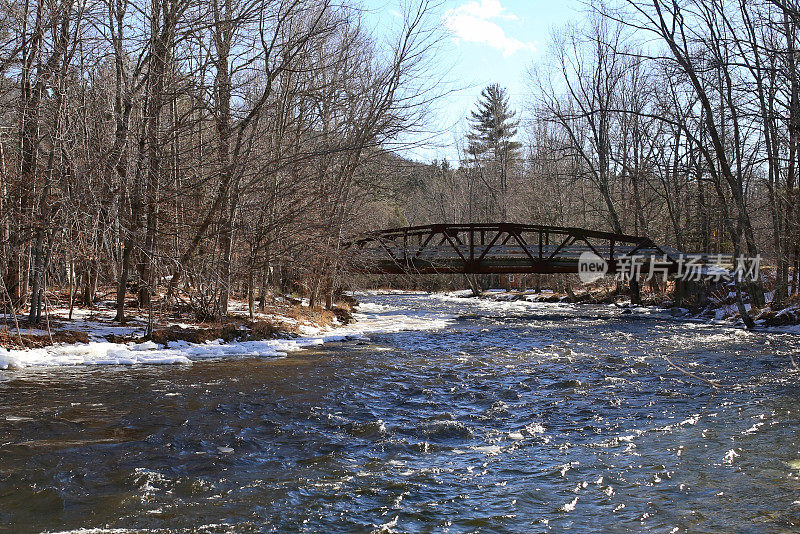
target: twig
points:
(712, 383)
(47, 313)
(12, 310)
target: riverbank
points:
(91, 337)
(284, 317)
(721, 310)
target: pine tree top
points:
(493, 123)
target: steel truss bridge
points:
(505, 248)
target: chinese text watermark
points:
(688, 267)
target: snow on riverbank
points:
(369, 319)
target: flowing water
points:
(513, 418)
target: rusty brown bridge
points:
(501, 248)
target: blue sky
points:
(486, 41)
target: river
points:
(511, 418)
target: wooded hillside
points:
(199, 148)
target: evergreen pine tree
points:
(491, 142)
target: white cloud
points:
(473, 22)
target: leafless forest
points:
(194, 151)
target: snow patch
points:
(370, 319)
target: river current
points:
(513, 417)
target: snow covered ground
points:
(369, 319)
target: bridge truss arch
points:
(481, 248)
